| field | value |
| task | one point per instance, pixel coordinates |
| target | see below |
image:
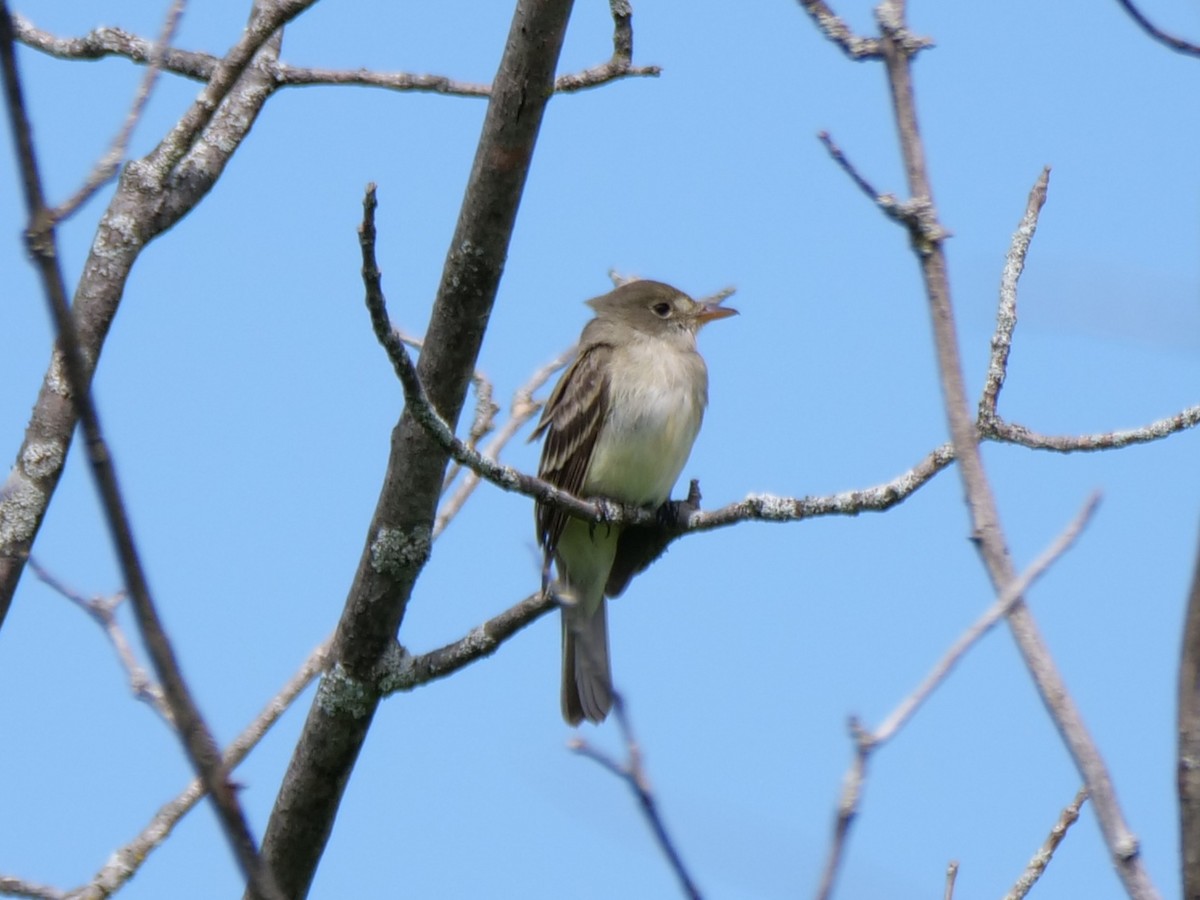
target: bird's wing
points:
(571, 422)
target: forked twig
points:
(633, 773)
(867, 742)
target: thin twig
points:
(951, 877)
(887, 203)
(1006, 313)
(41, 240)
(1041, 859)
(927, 238)
(997, 611)
(1178, 44)
(867, 742)
(521, 410)
(402, 671)
(633, 773)
(847, 808)
(125, 862)
(108, 164)
(485, 408)
(1011, 433)
(620, 65)
(198, 66)
(103, 612)
(836, 30)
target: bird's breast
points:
(656, 403)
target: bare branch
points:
(196, 738)
(1188, 750)
(1045, 853)
(485, 408)
(999, 430)
(151, 196)
(951, 877)
(927, 237)
(105, 42)
(998, 610)
(835, 29)
(1178, 44)
(19, 887)
(1006, 315)
(867, 742)
(124, 864)
(103, 613)
(401, 671)
(633, 773)
(847, 808)
(770, 508)
(399, 536)
(521, 410)
(620, 65)
(106, 168)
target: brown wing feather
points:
(571, 421)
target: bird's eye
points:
(662, 310)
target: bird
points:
(619, 424)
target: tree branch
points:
(633, 773)
(400, 533)
(867, 742)
(1041, 859)
(927, 244)
(1188, 736)
(1177, 44)
(196, 738)
(151, 196)
(124, 863)
(100, 43)
(103, 612)
(106, 168)
(1006, 313)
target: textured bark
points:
(399, 536)
(1189, 743)
(152, 194)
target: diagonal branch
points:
(197, 739)
(103, 612)
(126, 861)
(150, 198)
(106, 168)
(867, 742)
(836, 30)
(986, 527)
(400, 533)
(633, 773)
(1177, 44)
(1041, 859)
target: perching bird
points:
(619, 424)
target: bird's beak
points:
(710, 312)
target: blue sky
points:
(249, 409)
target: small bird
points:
(619, 424)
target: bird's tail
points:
(587, 691)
